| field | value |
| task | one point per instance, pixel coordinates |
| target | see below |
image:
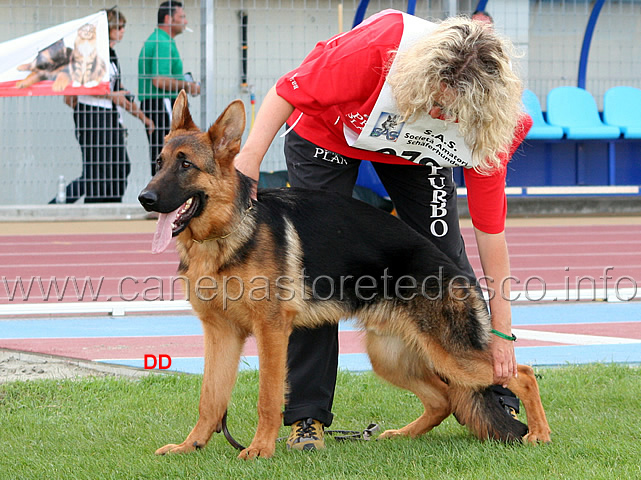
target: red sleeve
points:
(486, 198)
(345, 69)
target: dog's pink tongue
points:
(162, 237)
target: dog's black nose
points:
(148, 199)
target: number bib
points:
(423, 141)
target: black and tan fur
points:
(438, 349)
(51, 63)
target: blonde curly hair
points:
(465, 67)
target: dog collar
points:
(221, 237)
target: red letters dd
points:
(151, 361)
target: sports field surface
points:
(80, 290)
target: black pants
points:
(105, 163)
(424, 197)
(156, 110)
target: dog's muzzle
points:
(148, 199)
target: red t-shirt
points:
(337, 86)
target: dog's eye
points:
(186, 164)
(158, 163)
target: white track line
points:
(571, 338)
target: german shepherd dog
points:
(51, 63)
(288, 260)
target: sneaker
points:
(306, 434)
(507, 400)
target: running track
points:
(553, 263)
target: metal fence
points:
(239, 48)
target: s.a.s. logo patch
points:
(389, 125)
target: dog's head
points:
(195, 171)
(49, 59)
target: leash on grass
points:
(366, 434)
(232, 441)
(340, 435)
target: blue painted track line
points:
(177, 325)
(572, 313)
(101, 326)
(535, 356)
(170, 325)
(574, 354)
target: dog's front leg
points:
(61, 82)
(272, 341)
(31, 79)
(223, 346)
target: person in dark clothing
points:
(100, 133)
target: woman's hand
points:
(249, 165)
(70, 100)
(505, 366)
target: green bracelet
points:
(504, 336)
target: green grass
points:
(110, 428)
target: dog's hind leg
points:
(399, 364)
(526, 388)
(223, 346)
(272, 339)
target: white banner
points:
(68, 59)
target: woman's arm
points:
(496, 267)
(135, 110)
(273, 113)
(120, 98)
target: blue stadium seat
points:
(574, 110)
(541, 130)
(622, 108)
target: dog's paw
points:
(60, 83)
(252, 452)
(59, 86)
(171, 448)
(391, 434)
(535, 437)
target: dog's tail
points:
(483, 414)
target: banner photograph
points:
(67, 59)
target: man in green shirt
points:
(160, 74)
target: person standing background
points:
(100, 133)
(160, 74)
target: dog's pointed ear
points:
(180, 116)
(226, 133)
